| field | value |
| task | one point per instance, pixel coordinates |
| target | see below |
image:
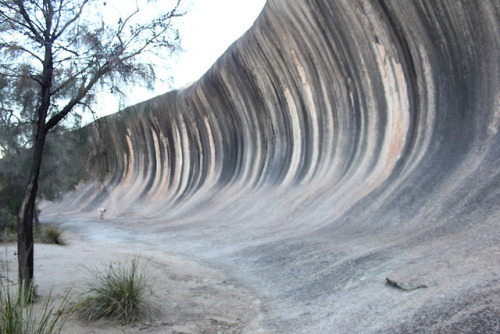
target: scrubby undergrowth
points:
(120, 294)
(49, 233)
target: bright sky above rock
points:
(208, 29)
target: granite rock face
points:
(337, 143)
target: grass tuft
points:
(18, 316)
(120, 294)
(50, 234)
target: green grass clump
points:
(50, 234)
(120, 294)
(18, 316)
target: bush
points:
(120, 294)
(17, 316)
(50, 234)
(44, 233)
(8, 226)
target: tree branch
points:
(70, 79)
(48, 14)
(70, 22)
(84, 89)
(29, 23)
(16, 47)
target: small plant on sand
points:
(50, 234)
(120, 294)
(45, 233)
(18, 316)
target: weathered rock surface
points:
(336, 143)
(416, 275)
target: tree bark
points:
(25, 249)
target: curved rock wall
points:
(337, 144)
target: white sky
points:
(209, 28)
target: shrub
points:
(8, 226)
(120, 294)
(44, 233)
(50, 234)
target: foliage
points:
(50, 234)
(45, 233)
(18, 316)
(8, 226)
(61, 170)
(83, 48)
(11, 185)
(120, 294)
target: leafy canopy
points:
(56, 58)
(67, 51)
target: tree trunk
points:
(25, 251)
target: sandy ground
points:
(189, 297)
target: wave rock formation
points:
(339, 153)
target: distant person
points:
(101, 212)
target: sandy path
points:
(190, 298)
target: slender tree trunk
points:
(25, 251)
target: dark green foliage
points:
(12, 181)
(8, 226)
(61, 169)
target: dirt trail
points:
(189, 297)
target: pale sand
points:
(190, 297)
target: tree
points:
(56, 56)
